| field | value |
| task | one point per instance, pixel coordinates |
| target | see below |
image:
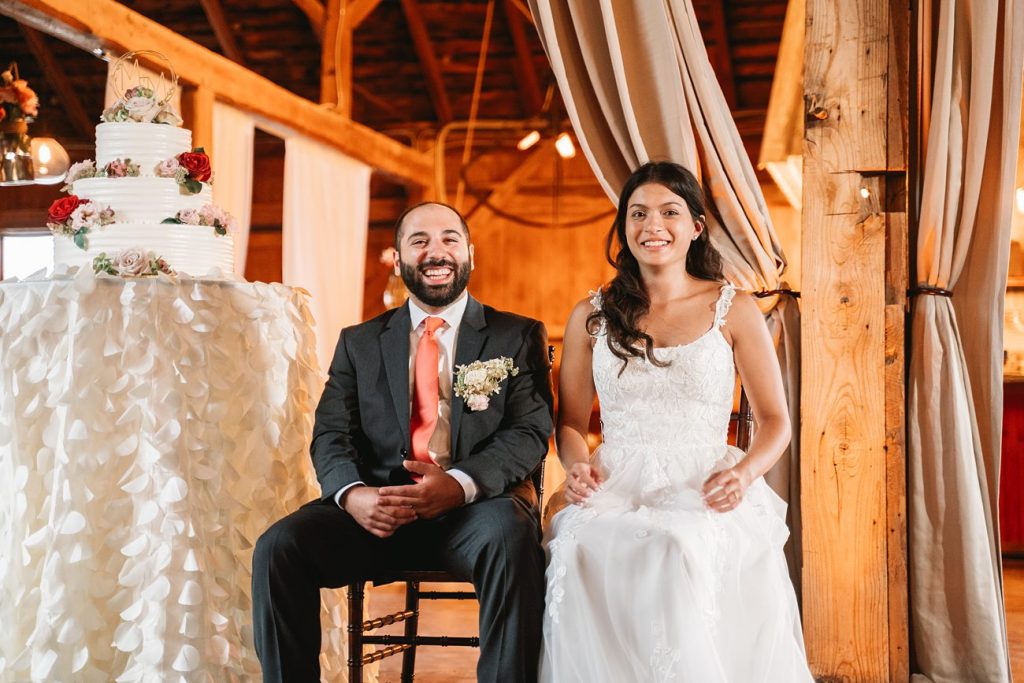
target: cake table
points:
(150, 430)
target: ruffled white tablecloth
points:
(150, 430)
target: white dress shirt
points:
(439, 447)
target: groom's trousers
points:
(493, 543)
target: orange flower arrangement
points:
(19, 104)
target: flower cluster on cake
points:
(144, 205)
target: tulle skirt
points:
(645, 584)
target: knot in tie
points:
(433, 324)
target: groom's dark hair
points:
(401, 219)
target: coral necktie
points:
(425, 391)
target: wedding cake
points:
(144, 206)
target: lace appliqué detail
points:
(664, 657)
(728, 292)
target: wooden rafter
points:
(110, 26)
(358, 10)
(314, 11)
(381, 103)
(428, 60)
(56, 76)
(526, 74)
(719, 35)
(225, 36)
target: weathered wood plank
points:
(897, 280)
(109, 25)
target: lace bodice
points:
(686, 404)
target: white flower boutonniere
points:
(480, 380)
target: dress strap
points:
(723, 304)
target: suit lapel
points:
(394, 349)
(472, 338)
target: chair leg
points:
(355, 632)
(412, 604)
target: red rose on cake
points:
(62, 208)
(197, 164)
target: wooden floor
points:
(437, 618)
(457, 665)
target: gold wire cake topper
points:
(126, 73)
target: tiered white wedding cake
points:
(144, 205)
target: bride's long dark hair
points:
(625, 299)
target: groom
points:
(410, 476)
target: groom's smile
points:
(434, 255)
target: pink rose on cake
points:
(167, 168)
(132, 263)
(87, 215)
(189, 216)
(209, 215)
(189, 169)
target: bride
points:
(668, 563)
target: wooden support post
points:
(197, 112)
(854, 279)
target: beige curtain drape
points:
(971, 55)
(638, 85)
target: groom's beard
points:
(436, 295)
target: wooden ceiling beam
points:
(428, 60)
(109, 25)
(225, 36)
(58, 79)
(314, 11)
(526, 73)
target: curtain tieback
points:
(773, 292)
(929, 289)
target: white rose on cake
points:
(132, 263)
(142, 109)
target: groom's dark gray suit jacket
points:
(362, 421)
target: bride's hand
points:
(581, 479)
(724, 491)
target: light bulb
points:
(50, 159)
(528, 140)
(1020, 199)
(563, 143)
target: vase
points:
(15, 155)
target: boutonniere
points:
(480, 380)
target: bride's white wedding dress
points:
(646, 584)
